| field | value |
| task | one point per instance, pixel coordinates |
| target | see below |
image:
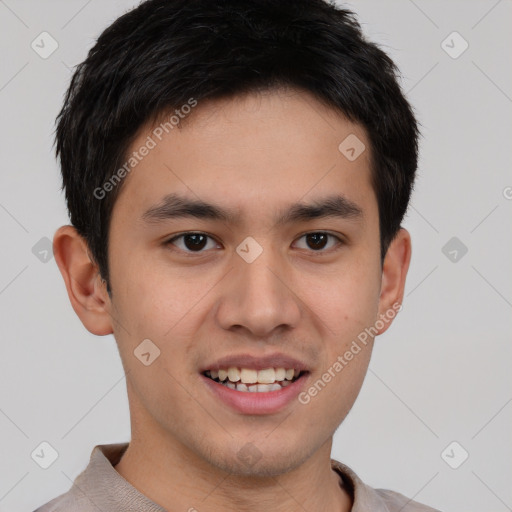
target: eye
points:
(197, 242)
(191, 242)
(317, 241)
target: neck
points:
(177, 479)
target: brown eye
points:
(191, 242)
(194, 242)
(318, 241)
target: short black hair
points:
(158, 56)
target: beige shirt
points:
(100, 488)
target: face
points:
(282, 270)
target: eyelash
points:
(319, 252)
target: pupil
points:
(194, 241)
(318, 240)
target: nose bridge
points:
(259, 277)
(258, 297)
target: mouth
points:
(250, 384)
(249, 380)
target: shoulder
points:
(71, 501)
(97, 485)
(396, 502)
(377, 500)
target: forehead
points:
(251, 153)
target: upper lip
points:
(277, 360)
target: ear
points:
(394, 271)
(86, 290)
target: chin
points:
(263, 463)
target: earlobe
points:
(394, 273)
(86, 290)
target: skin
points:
(255, 154)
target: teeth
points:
(248, 376)
(256, 388)
(269, 377)
(280, 373)
(233, 374)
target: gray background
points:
(440, 374)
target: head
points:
(279, 136)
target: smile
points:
(255, 381)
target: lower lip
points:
(248, 402)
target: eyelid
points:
(169, 241)
(340, 241)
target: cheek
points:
(168, 306)
(347, 348)
(346, 300)
(154, 295)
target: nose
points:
(259, 297)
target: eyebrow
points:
(174, 206)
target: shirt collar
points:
(118, 495)
(364, 497)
